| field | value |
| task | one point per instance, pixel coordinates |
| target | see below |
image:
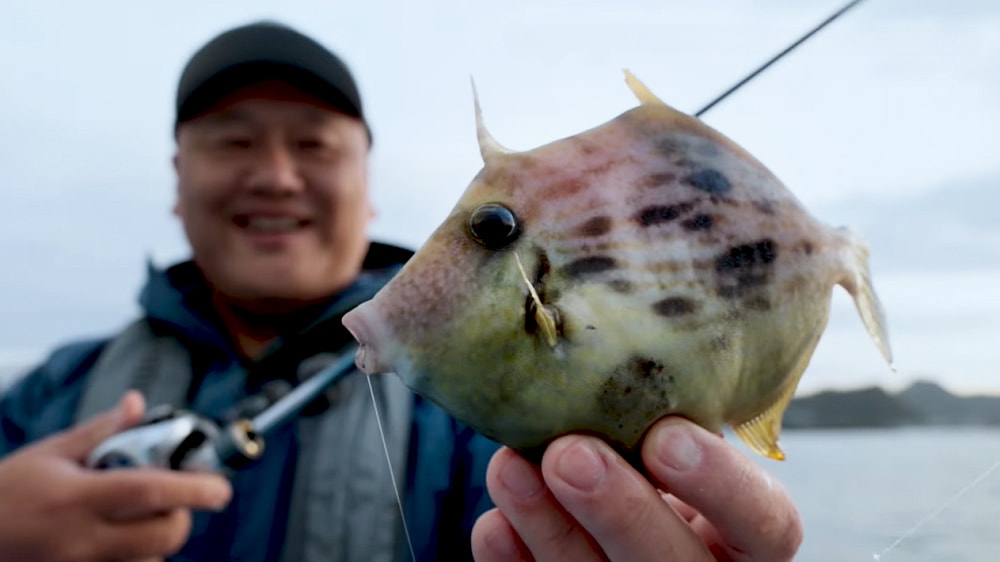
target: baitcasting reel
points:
(183, 440)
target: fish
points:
(645, 267)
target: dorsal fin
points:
(644, 94)
(488, 146)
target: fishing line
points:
(392, 475)
(937, 511)
(775, 58)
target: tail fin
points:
(862, 290)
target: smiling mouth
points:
(270, 225)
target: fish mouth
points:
(362, 322)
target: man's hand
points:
(587, 504)
(52, 508)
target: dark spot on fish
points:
(595, 226)
(709, 181)
(636, 392)
(646, 368)
(541, 272)
(589, 265)
(658, 214)
(764, 206)
(758, 303)
(745, 268)
(568, 187)
(747, 256)
(741, 284)
(623, 286)
(669, 146)
(591, 327)
(807, 247)
(674, 306)
(698, 222)
(658, 180)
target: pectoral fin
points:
(862, 290)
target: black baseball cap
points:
(265, 50)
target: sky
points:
(885, 121)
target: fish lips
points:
(369, 330)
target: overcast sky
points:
(885, 121)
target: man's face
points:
(272, 193)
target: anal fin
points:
(761, 433)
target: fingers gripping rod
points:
(182, 440)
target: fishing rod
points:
(182, 440)
(778, 56)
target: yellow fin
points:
(862, 291)
(542, 316)
(762, 432)
(644, 94)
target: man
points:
(271, 165)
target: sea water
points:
(858, 492)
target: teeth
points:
(272, 224)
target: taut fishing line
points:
(392, 475)
(775, 58)
(937, 511)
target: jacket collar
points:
(178, 299)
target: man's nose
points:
(275, 171)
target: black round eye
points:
(493, 226)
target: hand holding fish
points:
(586, 503)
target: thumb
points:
(750, 510)
(77, 441)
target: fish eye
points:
(493, 226)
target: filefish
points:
(647, 266)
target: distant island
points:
(921, 404)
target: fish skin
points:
(682, 276)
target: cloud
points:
(950, 228)
(936, 267)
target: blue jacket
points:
(446, 470)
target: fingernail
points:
(581, 466)
(677, 449)
(521, 479)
